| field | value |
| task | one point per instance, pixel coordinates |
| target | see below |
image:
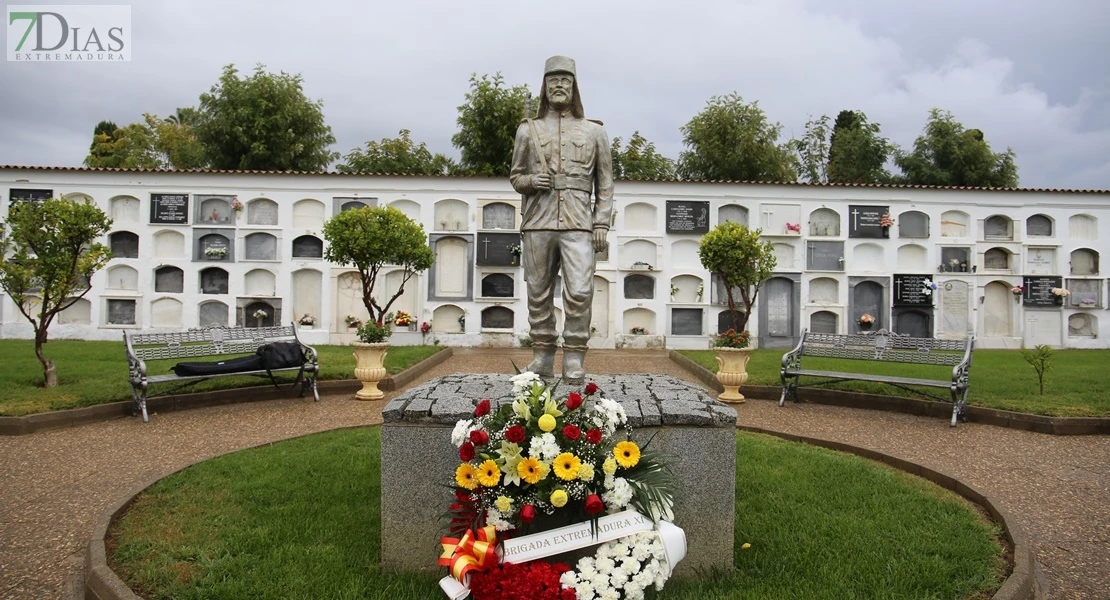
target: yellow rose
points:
(547, 423)
(558, 498)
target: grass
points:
(1076, 387)
(301, 519)
(95, 372)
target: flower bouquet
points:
(402, 319)
(236, 205)
(733, 339)
(928, 287)
(1017, 290)
(215, 252)
(885, 221)
(545, 459)
(1060, 292)
(307, 320)
(865, 321)
(352, 321)
(260, 314)
(639, 331)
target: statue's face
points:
(560, 90)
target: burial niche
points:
(260, 282)
(448, 319)
(124, 244)
(259, 314)
(998, 227)
(212, 314)
(953, 223)
(169, 244)
(308, 246)
(1038, 226)
(213, 280)
(452, 215)
(262, 211)
(261, 246)
(78, 313)
(497, 317)
(824, 222)
(824, 290)
(165, 312)
(169, 280)
(913, 224)
(125, 209)
(640, 216)
(498, 215)
(823, 321)
(1083, 227)
(639, 287)
(686, 321)
(732, 213)
(1084, 262)
(122, 278)
(308, 214)
(996, 259)
(1081, 326)
(498, 285)
(121, 312)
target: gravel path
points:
(58, 484)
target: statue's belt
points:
(562, 181)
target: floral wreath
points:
(556, 458)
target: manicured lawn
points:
(1076, 387)
(301, 519)
(91, 372)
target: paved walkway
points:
(58, 484)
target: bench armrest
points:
(136, 367)
(793, 359)
(960, 372)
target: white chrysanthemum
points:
(544, 447)
(461, 433)
(619, 495)
(644, 579)
(584, 590)
(495, 518)
(600, 583)
(568, 579)
(523, 381)
(632, 591)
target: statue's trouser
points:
(543, 254)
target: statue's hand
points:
(541, 181)
(600, 241)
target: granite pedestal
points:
(418, 461)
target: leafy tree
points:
(152, 144)
(1040, 358)
(488, 121)
(640, 160)
(53, 255)
(183, 116)
(947, 154)
(396, 155)
(370, 238)
(733, 141)
(736, 255)
(813, 150)
(852, 151)
(265, 122)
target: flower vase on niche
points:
(866, 321)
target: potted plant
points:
(742, 262)
(307, 321)
(368, 239)
(865, 321)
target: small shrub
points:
(1040, 358)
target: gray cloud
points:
(1032, 77)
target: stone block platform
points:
(696, 433)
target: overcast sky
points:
(1033, 75)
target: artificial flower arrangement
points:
(425, 327)
(307, 320)
(402, 319)
(560, 459)
(794, 227)
(886, 221)
(515, 250)
(215, 252)
(866, 319)
(928, 287)
(1017, 290)
(733, 339)
(352, 321)
(236, 205)
(639, 331)
(260, 314)
(1060, 292)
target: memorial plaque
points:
(498, 285)
(213, 281)
(214, 247)
(1040, 261)
(495, 249)
(953, 309)
(121, 312)
(262, 212)
(261, 246)
(825, 256)
(169, 208)
(867, 297)
(909, 290)
(170, 280)
(1038, 225)
(822, 322)
(308, 246)
(1038, 291)
(498, 216)
(726, 322)
(497, 317)
(213, 314)
(124, 244)
(23, 195)
(996, 258)
(639, 287)
(686, 321)
(863, 221)
(778, 297)
(687, 216)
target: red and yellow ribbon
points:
(471, 553)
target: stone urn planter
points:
(369, 368)
(732, 372)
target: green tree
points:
(639, 160)
(183, 116)
(742, 262)
(488, 121)
(852, 151)
(395, 155)
(151, 144)
(370, 238)
(264, 122)
(733, 141)
(52, 255)
(812, 150)
(1040, 358)
(947, 154)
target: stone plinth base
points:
(696, 433)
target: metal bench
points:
(885, 347)
(213, 342)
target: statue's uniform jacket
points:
(558, 223)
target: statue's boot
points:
(543, 362)
(573, 371)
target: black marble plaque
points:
(687, 216)
(24, 195)
(498, 285)
(169, 208)
(686, 321)
(1038, 291)
(909, 290)
(495, 249)
(825, 256)
(863, 221)
(308, 246)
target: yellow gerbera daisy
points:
(466, 476)
(531, 470)
(627, 454)
(489, 473)
(547, 423)
(566, 466)
(558, 498)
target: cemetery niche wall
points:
(185, 257)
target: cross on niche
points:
(855, 218)
(485, 248)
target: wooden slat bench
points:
(213, 343)
(883, 347)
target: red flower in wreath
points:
(593, 436)
(591, 388)
(479, 437)
(594, 504)
(527, 513)
(571, 432)
(466, 452)
(482, 409)
(574, 400)
(515, 434)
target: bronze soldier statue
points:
(564, 170)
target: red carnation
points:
(527, 513)
(594, 504)
(466, 452)
(571, 432)
(574, 401)
(479, 437)
(482, 409)
(591, 388)
(515, 434)
(593, 436)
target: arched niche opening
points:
(212, 314)
(868, 257)
(260, 282)
(642, 318)
(409, 208)
(954, 223)
(1082, 227)
(640, 216)
(213, 280)
(307, 286)
(166, 312)
(308, 246)
(732, 213)
(78, 313)
(824, 222)
(498, 285)
(824, 321)
(998, 227)
(259, 314)
(169, 280)
(124, 244)
(997, 259)
(639, 287)
(447, 319)
(1082, 325)
(1084, 261)
(687, 288)
(452, 215)
(169, 244)
(260, 246)
(639, 254)
(685, 253)
(913, 224)
(1039, 226)
(124, 209)
(309, 214)
(784, 256)
(498, 215)
(824, 290)
(912, 257)
(262, 211)
(122, 277)
(497, 317)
